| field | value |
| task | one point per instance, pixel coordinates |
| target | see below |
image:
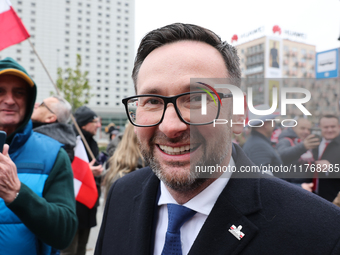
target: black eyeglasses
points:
(43, 104)
(193, 108)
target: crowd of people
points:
(155, 201)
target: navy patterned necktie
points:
(177, 216)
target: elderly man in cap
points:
(89, 122)
(37, 205)
(258, 146)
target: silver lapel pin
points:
(236, 231)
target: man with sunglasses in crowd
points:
(172, 207)
(37, 205)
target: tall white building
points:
(101, 31)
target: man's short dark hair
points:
(180, 32)
(329, 116)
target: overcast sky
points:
(318, 19)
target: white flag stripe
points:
(79, 150)
(4, 6)
(77, 184)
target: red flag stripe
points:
(86, 193)
(12, 31)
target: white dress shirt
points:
(203, 203)
(322, 146)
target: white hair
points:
(62, 109)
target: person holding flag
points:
(51, 118)
(37, 207)
(87, 183)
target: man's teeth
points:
(175, 150)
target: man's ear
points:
(51, 118)
(238, 124)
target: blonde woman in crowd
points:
(125, 159)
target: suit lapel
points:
(239, 198)
(143, 217)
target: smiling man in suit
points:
(169, 208)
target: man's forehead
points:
(329, 121)
(303, 123)
(12, 80)
(178, 62)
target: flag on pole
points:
(12, 31)
(85, 189)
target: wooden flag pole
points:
(58, 92)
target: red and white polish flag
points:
(12, 31)
(85, 189)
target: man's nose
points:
(9, 98)
(171, 125)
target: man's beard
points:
(192, 179)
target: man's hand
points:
(311, 142)
(9, 181)
(322, 163)
(307, 186)
(96, 170)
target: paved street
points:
(95, 231)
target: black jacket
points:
(276, 216)
(329, 185)
(86, 216)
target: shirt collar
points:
(205, 200)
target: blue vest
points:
(34, 157)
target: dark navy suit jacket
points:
(276, 216)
